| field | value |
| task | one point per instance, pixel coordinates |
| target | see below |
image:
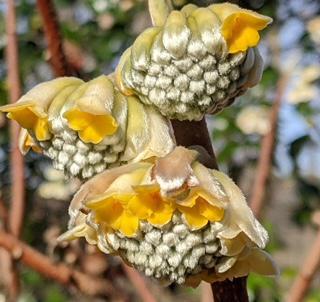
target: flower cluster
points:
(194, 61)
(181, 226)
(144, 199)
(86, 127)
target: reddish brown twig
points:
(17, 163)
(56, 271)
(16, 213)
(196, 133)
(58, 59)
(140, 284)
(306, 274)
(266, 153)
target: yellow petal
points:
(127, 224)
(26, 143)
(108, 212)
(92, 128)
(162, 216)
(193, 218)
(241, 32)
(240, 26)
(137, 207)
(210, 212)
(28, 118)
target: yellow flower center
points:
(90, 127)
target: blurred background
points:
(95, 33)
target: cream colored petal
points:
(138, 130)
(209, 183)
(188, 9)
(124, 183)
(122, 74)
(140, 51)
(162, 139)
(159, 11)
(240, 213)
(120, 113)
(98, 96)
(224, 10)
(176, 34)
(232, 247)
(208, 26)
(43, 94)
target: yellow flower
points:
(148, 204)
(199, 229)
(90, 111)
(113, 212)
(240, 27)
(31, 111)
(26, 142)
(198, 211)
(111, 207)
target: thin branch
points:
(58, 59)
(266, 153)
(140, 284)
(16, 160)
(306, 274)
(55, 271)
(16, 212)
(196, 133)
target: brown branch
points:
(55, 271)
(16, 212)
(58, 59)
(306, 274)
(196, 133)
(16, 160)
(140, 284)
(266, 153)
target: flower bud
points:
(195, 61)
(86, 127)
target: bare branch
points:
(59, 272)
(58, 59)
(306, 274)
(266, 153)
(16, 213)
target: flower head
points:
(200, 228)
(194, 61)
(240, 27)
(85, 127)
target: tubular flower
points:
(174, 220)
(86, 127)
(194, 61)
